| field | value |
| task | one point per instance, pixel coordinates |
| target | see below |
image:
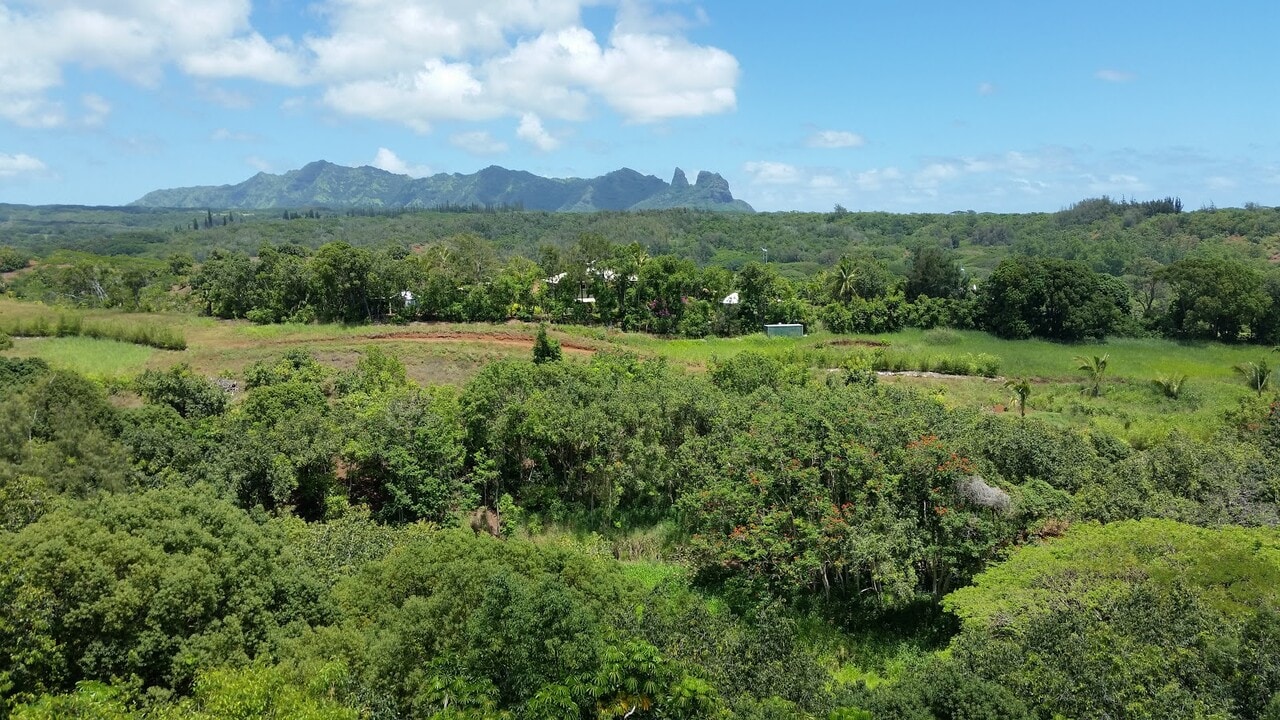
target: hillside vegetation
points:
(521, 465)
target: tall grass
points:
(105, 359)
(74, 325)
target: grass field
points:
(96, 358)
(439, 353)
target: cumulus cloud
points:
(252, 57)
(764, 172)
(411, 62)
(419, 62)
(478, 142)
(20, 164)
(1115, 76)
(531, 131)
(134, 39)
(389, 161)
(834, 139)
(437, 90)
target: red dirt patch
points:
(489, 338)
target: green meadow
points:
(1131, 405)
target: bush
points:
(748, 370)
(882, 315)
(545, 349)
(1171, 386)
(927, 312)
(180, 388)
(6, 342)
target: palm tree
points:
(844, 280)
(1096, 368)
(1021, 388)
(1257, 375)
(1171, 385)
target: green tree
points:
(342, 286)
(1147, 619)
(1095, 369)
(1050, 298)
(935, 274)
(1021, 388)
(1216, 297)
(142, 588)
(278, 448)
(861, 276)
(545, 349)
(178, 387)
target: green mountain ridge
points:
(323, 183)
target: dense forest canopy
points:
(290, 546)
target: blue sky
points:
(875, 105)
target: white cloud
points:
(437, 90)
(655, 77)
(531, 130)
(389, 161)
(478, 142)
(986, 89)
(13, 165)
(1115, 76)
(772, 173)
(833, 139)
(251, 57)
(1219, 182)
(134, 39)
(412, 62)
(380, 38)
(647, 71)
(644, 77)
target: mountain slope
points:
(324, 183)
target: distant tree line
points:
(1217, 297)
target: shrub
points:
(1170, 386)
(545, 349)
